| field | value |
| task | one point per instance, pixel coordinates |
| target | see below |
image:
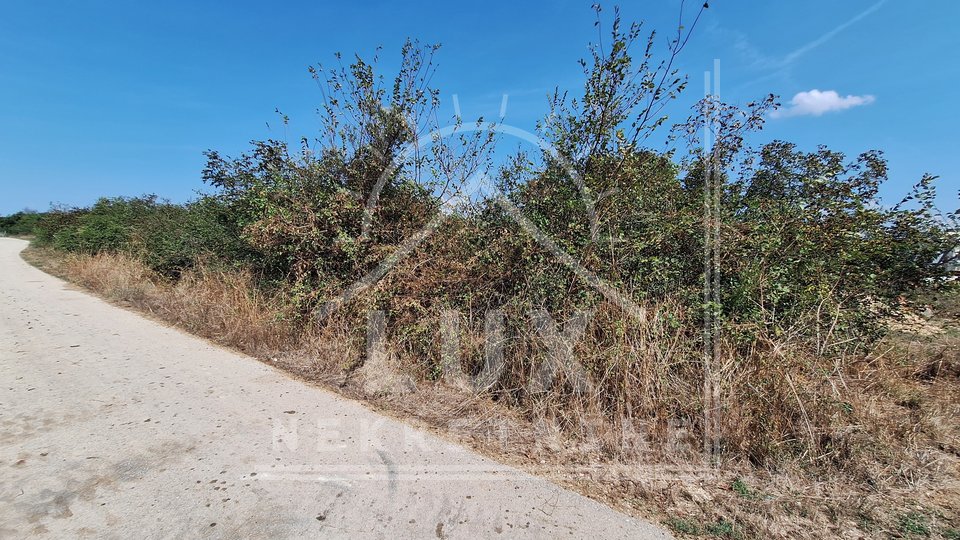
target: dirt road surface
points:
(115, 426)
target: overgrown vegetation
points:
(807, 264)
(19, 224)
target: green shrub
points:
(171, 238)
(106, 226)
(914, 524)
(19, 224)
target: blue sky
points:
(121, 98)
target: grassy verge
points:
(886, 423)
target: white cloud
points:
(815, 103)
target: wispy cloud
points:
(815, 103)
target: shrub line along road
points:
(116, 426)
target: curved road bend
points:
(112, 425)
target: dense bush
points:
(19, 224)
(801, 242)
(168, 237)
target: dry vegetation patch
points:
(882, 428)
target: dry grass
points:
(853, 447)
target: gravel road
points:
(115, 426)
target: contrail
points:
(781, 66)
(829, 35)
